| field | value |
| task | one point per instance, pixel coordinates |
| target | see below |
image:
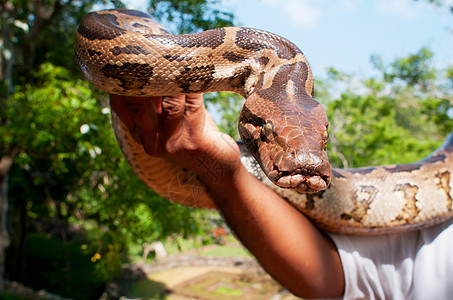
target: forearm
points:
(289, 247)
(285, 242)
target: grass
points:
(227, 251)
(171, 247)
(223, 290)
(179, 245)
(148, 289)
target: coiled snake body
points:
(283, 127)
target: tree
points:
(190, 16)
(399, 116)
(57, 147)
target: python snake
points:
(282, 126)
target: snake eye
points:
(268, 130)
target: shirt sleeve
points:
(410, 265)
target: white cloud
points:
(400, 8)
(299, 12)
(349, 5)
(137, 4)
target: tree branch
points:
(7, 160)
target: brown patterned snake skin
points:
(283, 127)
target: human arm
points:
(285, 242)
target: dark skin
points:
(289, 247)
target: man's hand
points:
(285, 242)
(180, 129)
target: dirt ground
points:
(183, 277)
(210, 282)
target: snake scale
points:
(283, 128)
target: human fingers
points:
(147, 121)
(141, 117)
(173, 108)
(184, 121)
(118, 104)
(195, 115)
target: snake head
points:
(289, 146)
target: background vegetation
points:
(69, 201)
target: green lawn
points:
(223, 251)
(179, 245)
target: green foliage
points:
(225, 107)
(69, 171)
(148, 289)
(53, 265)
(414, 70)
(45, 122)
(78, 173)
(398, 117)
(191, 15)
(40, 31)
(449, 76)
(47, 117)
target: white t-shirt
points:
(411, 265)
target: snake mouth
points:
(304, 171)
(303, 181)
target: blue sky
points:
(345, 33)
